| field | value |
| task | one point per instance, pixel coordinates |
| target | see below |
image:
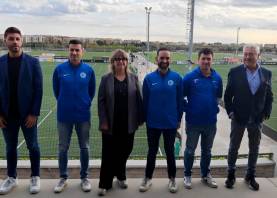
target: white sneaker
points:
(209, 181)
(7, 185)
(102, 192)
(61, 185)
(172, 186)
(187, 182)
(122, 184)
(85, 185)
(145, 185)
(35, 185)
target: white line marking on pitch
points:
(160, 151)
(48, 114)
(43, 110)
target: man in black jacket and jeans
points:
(248, 101)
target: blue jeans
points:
(153, 137)
(207, 138)
(254, 137)
(11, 138)
(65, 132)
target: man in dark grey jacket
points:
(248, 101)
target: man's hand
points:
(266, 117)
(30, 121)
(178, 125)
(3, 122)
(231, 115)
(104, 127)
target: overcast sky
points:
(215, 20)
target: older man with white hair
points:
(248, 101)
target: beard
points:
(14, 49)
(163, 66)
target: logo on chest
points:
(65, 75)
(83, 75)
(170, 82)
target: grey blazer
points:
(106, 102)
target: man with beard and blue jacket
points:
(163, 102)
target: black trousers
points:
(254, 138)
(153, 138)
(116, 149)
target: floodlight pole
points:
(147, 10)
(191, 32)
(237, 49)
(189, 36)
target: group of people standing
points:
(123, 107)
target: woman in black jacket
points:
(119, 111)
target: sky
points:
(215, 20)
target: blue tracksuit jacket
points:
(163, 100)
(201, 97)
(74, 89)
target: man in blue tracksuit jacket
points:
(162, 100)
(74, 89)
(202, 89)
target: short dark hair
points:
(75, 42)
(162, 49)
(205, 51)
(11, 30)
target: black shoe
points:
(230, 181)
(252, 184)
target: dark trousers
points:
(11, 138)
(153, 137)
(254, 137)
(116, 149)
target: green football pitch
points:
(48, 136)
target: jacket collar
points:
(200, 73)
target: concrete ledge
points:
(158, 190)
(270, 132)
(135, 168)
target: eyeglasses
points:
(120, 59)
